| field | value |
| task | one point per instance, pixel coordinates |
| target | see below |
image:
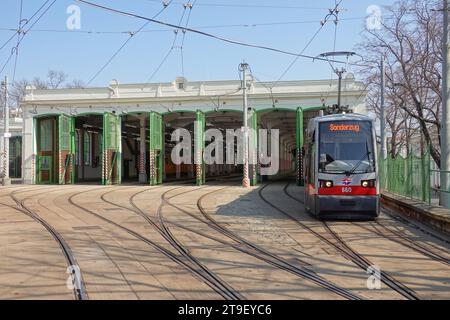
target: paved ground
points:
(212, 242)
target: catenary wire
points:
(231, 41)
(172, 47)
(124, 44)
(18, 40)
(13, 50)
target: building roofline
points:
(263, 84)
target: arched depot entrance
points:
(291, 124)
(105, 148)
(221, 143)
(84, 148)
(193, 123)
(281, 126)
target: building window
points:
(87, 148)
(180, 83)
(46, 135)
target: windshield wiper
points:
(356, 166)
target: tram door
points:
(111, 159)
(46, 128)
(156, 149)
(66, 144)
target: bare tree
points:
(75, 84)
(56, 79)
(40, 84)
(409, 40)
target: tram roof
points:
(342, 116)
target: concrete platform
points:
(435, 217)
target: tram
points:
(341, 175)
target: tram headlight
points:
(326, 184)
(368, 183)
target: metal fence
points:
(408, 176)
(436, 188)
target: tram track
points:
(342, 247)
(190, 264)
(269, 257)
(161, 225)
(223, 288)
(410, 224)
(396, 236)
(183, 250)
(79, 289)
(241, 245)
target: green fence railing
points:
(407, 176)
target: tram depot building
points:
(122, 133)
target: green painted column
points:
(66, 137)
(34, 158)
(156, 149)
(118, 178)
(253, 150)
(111, 162)
(72, 149)
(200, 148)
(299, 148)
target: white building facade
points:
(89, 115)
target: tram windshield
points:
(346, 147)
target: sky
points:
(287, 24)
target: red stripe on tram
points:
(348, 191)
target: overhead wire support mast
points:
(6, 135)
(445, 123)
(382, 110)
(245, 180)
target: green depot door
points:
(156, 149)
(45, 159)
(299, 148)
(66, 146)
(199, 140)
(111, 160)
